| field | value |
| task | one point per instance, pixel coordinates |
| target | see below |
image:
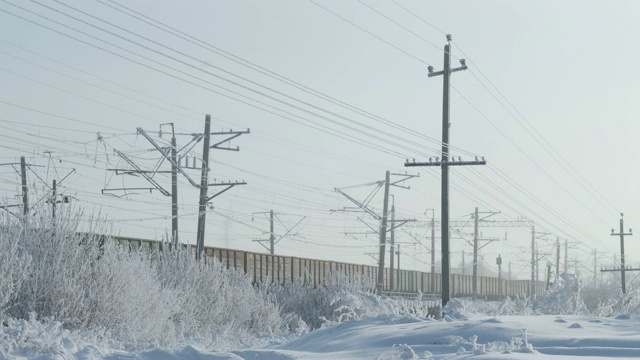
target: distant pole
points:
(464, 267)
(383, 235)
(204, 179)
(595, 265)
(622, 266)
(398, 261)
(392, 245)
(566, 255)
(558, 255)
(433, 252)
(174, 190)
(53, 202)
(537, 266)
(548, 275)
(272, 237)
(474, 281)
(25, 190)
(499, 263)
(532, 285)
(509, 270)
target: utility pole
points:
(509, 270)
(174, 189)
(532, 286)
(272, 235)
(622, 265)
(499, 263)
(476, 222)
(53, 205)
(534, 260)
(595, 265)
(558, 256)
(474, 283)
(548, 274)
(382, 232)
(464, 268)
(398, 253)
(204, 180)
(566, 255)
(445, 163)
(537, 265)
(392, 241)
(25, 190)
(383, 235)
(433, 252)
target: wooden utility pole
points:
(445, 163)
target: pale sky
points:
(549, 99)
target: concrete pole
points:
(53, 202)
(532, 285)
(272, 236)
(174, 191)
(558, 256)
(25, 190)
(392, 246)
(444, 201)
(474, 281)
(383, 235)
(433, 252)
(204, 179)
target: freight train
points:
(286, 269)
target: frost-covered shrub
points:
(13, 262)
(563, 297)
(622, 304)
(135, 300)
(314, 305)
(212, 297)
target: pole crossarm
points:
(144, 175)
(617, 268)
(168, 158)
(359, 204)
(231, 135)
(404, 178)
(483, 223)
(228, 187)
(445, 163)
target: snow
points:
(381, 337)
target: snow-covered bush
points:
(622, 304)
(563, 297)
(213, 298)
(314, 305)
(13, 262)
(135, 300)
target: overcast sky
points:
(549, 99)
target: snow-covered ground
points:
(381, 337)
